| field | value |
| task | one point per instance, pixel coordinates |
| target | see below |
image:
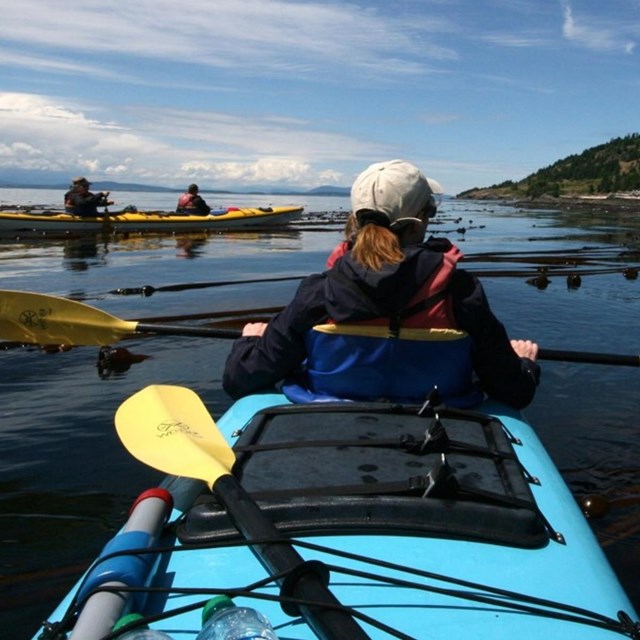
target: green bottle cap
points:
(214, 605)
(128, 619)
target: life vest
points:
(185, 201)
(399, 359)
(338, 251)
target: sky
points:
(248, 94)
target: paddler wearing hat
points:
(81, 202)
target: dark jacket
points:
(84, 204)
(259, 363)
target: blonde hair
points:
(376, 246)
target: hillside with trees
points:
(606, 169)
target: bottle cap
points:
(128, 619)
(214, 605)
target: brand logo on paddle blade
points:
(32, 319)
(173, 427)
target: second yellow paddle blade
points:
(37, 318)
(169, 428)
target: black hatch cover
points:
(372, 468)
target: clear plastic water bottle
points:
(139, 633)
(223, 620)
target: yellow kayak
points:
(49, 223)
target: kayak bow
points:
(433, 522)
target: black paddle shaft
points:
(328, 619)
(543, 354)
(589, 358)
(186, 330)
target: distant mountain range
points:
(608, 168)
(27, 180)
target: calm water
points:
(66, 482)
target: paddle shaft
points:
(589, 358)
(184, 330)
(559, 355)
(34, 318)
(328, 619)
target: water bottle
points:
(139, 633)
(223, 620)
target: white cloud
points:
(43, 133)
(272, 37)
(19, 150)
(51, 64)
(515, 40)
(62, 137)
(260, 135)
(603, 37)
(263, 171)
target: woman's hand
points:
(525, 349)
(254, 329)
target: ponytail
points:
(376, 246)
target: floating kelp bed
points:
(536, 267)
(571, 264)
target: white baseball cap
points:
(396, 188)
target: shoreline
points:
(598, 204)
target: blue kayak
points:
(422, 522)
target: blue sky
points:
(248, 93)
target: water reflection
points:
(190, 247)
(82, 253)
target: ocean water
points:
(66, 482)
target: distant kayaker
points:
(192, 202)
(81, 202)
(392, 318)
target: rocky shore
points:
(614, 203)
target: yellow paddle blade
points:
(170, 429)
(37, 318)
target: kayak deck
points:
(489, 543)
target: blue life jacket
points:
(397, 359)
(356, 362)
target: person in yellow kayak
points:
(191, 202)
(393, 318)
(81, 202)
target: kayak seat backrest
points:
(347, 468)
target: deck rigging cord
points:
(492, 596)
